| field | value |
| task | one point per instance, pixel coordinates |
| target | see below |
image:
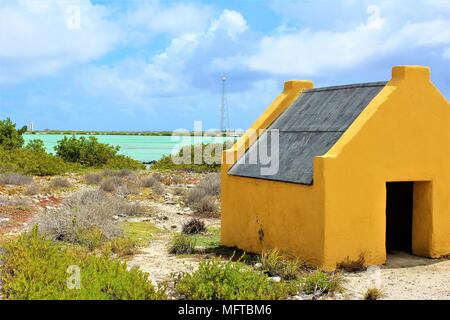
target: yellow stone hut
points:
(362, 170)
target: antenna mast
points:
(224, 121)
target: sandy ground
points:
(404, 277)
(155, 259)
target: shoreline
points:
(131, 133)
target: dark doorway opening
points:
(399, 216)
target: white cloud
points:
(308, 52)
(232, 22)
(174, 19)
(42, 37)
(168, 73)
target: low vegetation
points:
(110, 184)
(16, 179)
(319, 283)
(141, 233)
(209, 240)
(86, 218)
(353, 265)
(36, 146)
(29, 162)
(88, 152)
(182, 244)
(10, 137)
(32, 189)
(72, 154)
(225, 280)
(59, 182)
(210, 159)
(194, 226)
(203, 199)
(37, 268)
(373, 294)
(275, 264)
(92, 178)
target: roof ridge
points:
(348, 86)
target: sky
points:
(143, 65)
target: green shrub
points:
(219, 280)
(33, 163)
(122, 246)
(88, 152)
(10, 136)
(36, 145)
(124, 162)
(210, 160)
(36, 268)
(275, 264)
(319, 282)
(182, 244)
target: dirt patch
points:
(404, 277)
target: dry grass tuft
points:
(87, 217)
(16, 179)
(194, 226)
(353, 265)
(276, 264)
(123, 173)
(32, 189)
(93, 178)
(59, 182)
(148, 182)
(111, 184)
(373, 294)
(203, 199)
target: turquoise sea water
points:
(142, 148)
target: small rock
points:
(173, 226)
(275, 279)
(3, 220)
(115, 217)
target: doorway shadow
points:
(401, 259)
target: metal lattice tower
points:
(224, 119)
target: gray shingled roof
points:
(309, 128)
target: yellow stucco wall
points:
(402, 135)
(261, 214)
